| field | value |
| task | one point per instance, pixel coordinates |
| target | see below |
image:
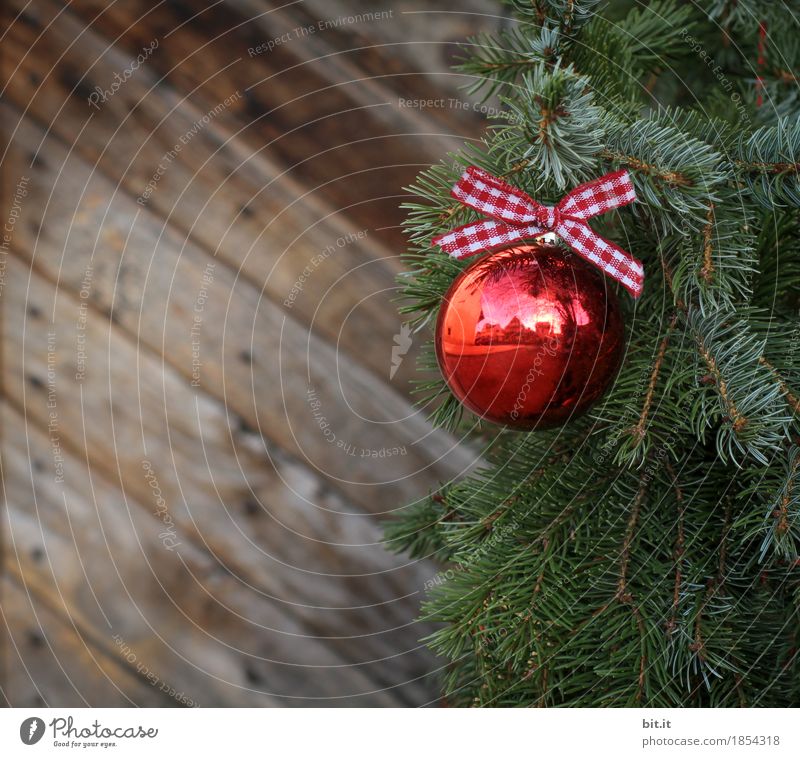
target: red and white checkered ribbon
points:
(515, 216)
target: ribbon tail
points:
(483, 236)
(607, 256)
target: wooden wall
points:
(200, 435)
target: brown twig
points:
(622, 589)
(638, 431)
(544, 687)
(714, 586)
(769, 168)
(738, 420)
(488, 521)
(652, 80)
(678, 551)
(541, 15)
(782, 513)
(569, 17)
(784, 76)
(643, 657)
(707, 271)
(723, 547)
(548, 116)
(788, 395)
(671, 178)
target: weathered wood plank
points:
(50, 664)
(316, 125)
(407, 49)
(232, 200)
(283, 381)
(109, 565)
(216, 185)
(214, 478)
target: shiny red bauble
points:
(529, 337)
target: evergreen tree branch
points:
(769, 163)
(646, 554)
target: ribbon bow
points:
(514, 216)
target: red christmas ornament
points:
(529, 337)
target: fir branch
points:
(753, 418)
(553, 124)
(769, 162)
(568, 15)
(660, 176)
(777, 530)
(651, 35)
(744, 15)
(776, 285)
(497, 62)
(702, 124)
(678, 552)
(675, 176)
(714, 588)
(790, 397)
(707, 270)
(554, 526)
(623, 595)
(638, 431)
(716, 266)
(738, 421)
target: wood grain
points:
(214, 481)
(50, 664)
(236, 203)
(168, 605)
(337, 127)
(201, 435)
(150, 281)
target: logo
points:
(402, 343)
(31, 730)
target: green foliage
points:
(553, 125)
(742, 401)
(648, 553)
(651, 34)
(568, 15)
(496, 62)
(717, 264)
(770, 163)
(676, 176)
(777, 526)
(745, 14)
(777, 285)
